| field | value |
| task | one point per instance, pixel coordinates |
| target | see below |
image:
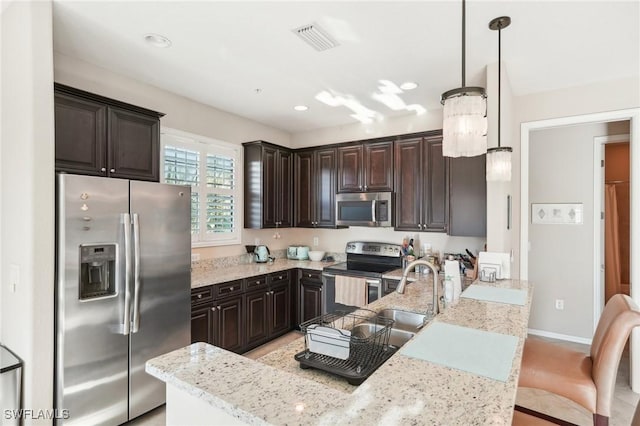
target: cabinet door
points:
(409, 184)
(311, 304)
(80, 135)
(435, 206)
(304, 189)
(378, 166)
(325, 188)
(350, 169)
(269, 187)
(133, 145)
(468, 196)
(280, 304)
(257, 325)
(285, 189)
(202, 324)
(228, 330)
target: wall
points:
(603, 96)
(561, 170)
(26, 176)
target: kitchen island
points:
(208, 385)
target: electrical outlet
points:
(559, 304)
(316, 241)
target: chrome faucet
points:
(403, 281)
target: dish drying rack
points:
(350, 345)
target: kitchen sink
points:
(404, 320)
(397, 337)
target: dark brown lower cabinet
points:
(228, 324)
(201, 324)
(251, 312)
(256, 315)
(279, 309)
(311, 303)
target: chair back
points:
(619, 317)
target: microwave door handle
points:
(126, 322)
(373, 211)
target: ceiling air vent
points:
(316, 37)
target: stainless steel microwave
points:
(365, 209)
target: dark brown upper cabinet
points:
(315, 188)
(421, 185)
(99, 136)
(468, 196)
(268, 186)
(366, 167)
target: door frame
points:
(633, 115)
(599, 143)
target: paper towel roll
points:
(452, 271)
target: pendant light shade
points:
(499, 164)
(464, 126)
(499, 158)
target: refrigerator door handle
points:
(136, 273)
(126, 225)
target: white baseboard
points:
(559, 336)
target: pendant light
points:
(464, 126)
(499, 158)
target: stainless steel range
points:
(358, 281)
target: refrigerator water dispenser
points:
(97, 271)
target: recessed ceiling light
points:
(408, 85)
(157, 40)
(301, 107)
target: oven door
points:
(364, 209)
(373, 290)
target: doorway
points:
(633, 115)
(616, 217)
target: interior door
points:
(161, 312)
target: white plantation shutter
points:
(212, 170)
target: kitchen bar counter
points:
(204, 380)
(203, 276)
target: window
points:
(212, 169)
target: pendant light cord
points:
(464, 36)
(499, 80)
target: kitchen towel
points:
(351, 291)
(478, 352)
(510, 296)
(452, 270)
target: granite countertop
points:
(404, 390)
(207, 275)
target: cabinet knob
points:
(309, 275)
(218, 307)
(104, 169)
(112, 170)
(267, 293)
(213, 309)
(257, 282)
(271, 291)
(365, 187)
(419, 226)
(321, 289)
(230, 288)
(280, 277)
(200, 296)
(360, 187)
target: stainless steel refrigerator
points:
(122, 293)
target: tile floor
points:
(624, 400)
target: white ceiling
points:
(223, 51)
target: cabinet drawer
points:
(227, 289)
(279, 277)
(310, 274)
(256, 282)
(201, 295)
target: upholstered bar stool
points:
(588, 380)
